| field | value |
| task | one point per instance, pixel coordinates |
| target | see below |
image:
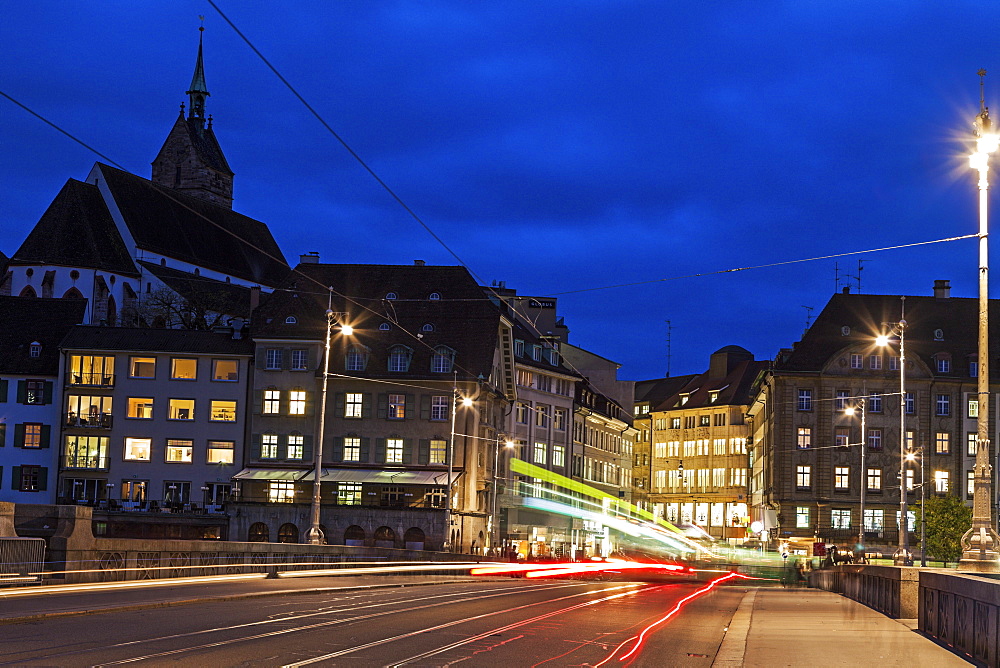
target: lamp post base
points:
(315, 536)
(902, 557)
(980, 565)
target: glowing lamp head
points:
(466, 401)
(987, 143)
(881, 340)
(346, 329)
(910, 456)
(849, 410)
(509, 444)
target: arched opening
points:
(479, 545)
(72, 293)
(112, 310)
(28, 291)
(288, 533)
(258, 533)
(414, 538)
(354, 535)
(385, 537)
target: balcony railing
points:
(89, 420)
(92, 379)
(88, 462)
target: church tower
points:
(191, 159)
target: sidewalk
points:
(809, 627)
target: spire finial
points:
(982, 87)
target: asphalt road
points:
(495, 622)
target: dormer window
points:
(443, 360)
(427, 328)
(939, 335)
(384, 327)
(713, 396)
(519, 347)
(553, 357)
(35, 350)
(391, 295)
(684, 398)
(291, 320)
(434, 296)
(399, 358)
(357, 358)
(536, 353)
(943, 364)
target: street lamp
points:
(465, 401)
(509, 445)
(862, 403)
(980, 542)
(314, 535)
(902, 556)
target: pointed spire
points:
(199, 91)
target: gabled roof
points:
(733, 389)
(532, 338)
(27, 320)
(77, 231)
(462, 319)
(656, 390)
(167, 222)
(217, 296)
(863, 316)
(88, 337)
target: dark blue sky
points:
(557, 146)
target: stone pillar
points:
(7, 520)
(73, 545)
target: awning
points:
(268, 474)
(383, 476)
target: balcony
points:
(89, 420)
(85, 462)
(92, 379)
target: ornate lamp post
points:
(902, 557)
(863, 405)
(980, 542)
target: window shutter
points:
(261, 361)
(44, 439)
(47, 392)
(380, 451)
(424, 451)
(338, 449)
(18, 435)
(283, 402)
(411, 405)
(366, 406)
(310, 403)
(22, 391)
(282, 448)
(286, 359)
(3, 434)
(258, 401)
(255, 447)
(43, 478)
(425, 407)
(407, 450)
(307, 448)
(15, 477)
(3, 391)
(383, 405)
(339, 404)
(364, 450)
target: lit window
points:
(394, 451)
(942, 443)
(841, 477)
(875, 479)
(32, 435)
(183, 369)
(179, 451)
(973, 407)
(353, 405)
(349, 493)
(397, 407)
(268, 446)
(142, 367)
(541, 454)
(874, 519)
(137, 449)
(180, 409)
(281, 491)
(225, 370)
(297, 402)
(558, 455)
(438, 451)
(803, 476)
(296, 447)
(840, 518)
(221, 452)
(223, 411)
(802, 517)
(804, 437)
(272, 402)
(352, 449)
(941, 481)
(559, 419)
(971, 443)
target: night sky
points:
(561, 147)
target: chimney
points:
(312, 257)
(942, 289)
(254, 298)
(419, 263)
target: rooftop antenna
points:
(858, 277)
(669, 328)
(836, 277)
(809, 315)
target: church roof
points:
(169, 223)
(205, 143)
(76, 231)
(89, 337)
(217, 296)
(27, 320)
